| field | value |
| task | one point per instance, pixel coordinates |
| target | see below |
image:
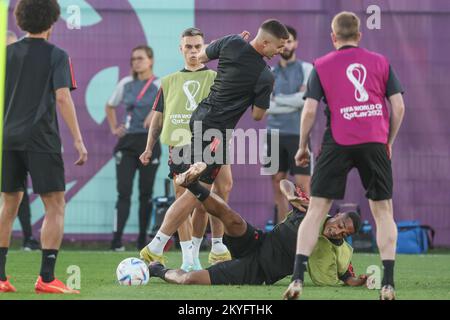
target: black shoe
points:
(31, 244)
(116, 245)
(156, 269)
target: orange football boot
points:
(55, 286)
(6, 286)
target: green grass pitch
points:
(417, 277)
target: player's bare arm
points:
(398, 111)
(68, 113)
(306, 123)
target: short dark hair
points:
(292, 31)
(36, 16)
(356, 219)
(275, 28)
(192, 32)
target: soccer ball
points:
(132, 272)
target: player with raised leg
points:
(243, 80)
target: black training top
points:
(315, 91)
(35, 69)
(277, 252)
(243, 79)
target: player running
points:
(268, 257)
(177, 98)
(243, 80)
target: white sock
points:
(196, 243)
(158, 243)
(186, 249)
(217, 246)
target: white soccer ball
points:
(132, 272)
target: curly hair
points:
(36, 16)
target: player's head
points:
(342, 225)
(345, 29)
(271, 38)
(141, 59)
(10, 37)
(291, 44)
(191, 44)
(37, 16)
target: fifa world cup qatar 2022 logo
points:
(357, 74)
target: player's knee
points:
(9, 213)
(54, 203)
(234, 220)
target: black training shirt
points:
(243, 79)
(35, 69)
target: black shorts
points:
(177, 167)
(288, 146)
(246, 244)
(240, 271)
(244, 268)
(335, 162)
(213, 151)
(46, 171)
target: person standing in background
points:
(137, 93)
(291, 76)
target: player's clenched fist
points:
(302, 157)
(145, 157)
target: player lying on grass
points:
(268, 257)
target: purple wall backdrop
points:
(414, 36)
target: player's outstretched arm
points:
(203, 57)
(69, 115)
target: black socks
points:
(388, 274)
(199, 191)
(3, 254)
(301, 262)
(48, 265)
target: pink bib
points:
(354, 82)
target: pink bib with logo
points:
(354, 82)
